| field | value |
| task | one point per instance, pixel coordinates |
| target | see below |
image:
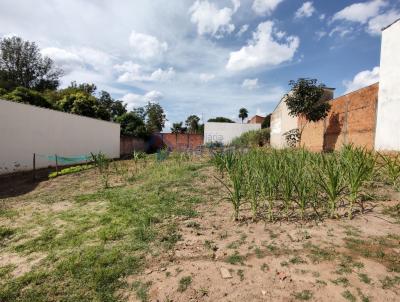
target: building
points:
(388, 116)
(257, 119)
(282, 121)
(224, 133)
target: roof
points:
(386, 27)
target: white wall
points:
(26, 129)
(281, 122)
(387, 135)
(226, 132)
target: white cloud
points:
(211, 20)
(132, 72)
(341, 31)
(265, 7)
(250, 84)
(133, 100)
(376, 24)
(360, 12)
(320, 34)
(242, 30)
(362, 79)
(322, 17)
(305, 11)
(264, 49)
(145, 46)
(206, 77)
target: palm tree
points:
(243, 113)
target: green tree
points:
(243, 114)
(220, 119)
(27, 96)
(21, 64)
(80, 103)
(132, 125)
(155, 117)
(192, 124)
(305, 100)
(178, 128)
(266, 122)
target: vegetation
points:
(254, 138)
(243, 114)
(297, 184)
(305, 101)
(70, 170)
(178, 128)
(220, 119)
(266, 122)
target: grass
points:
(364, 278)
(235, 258)
(304, 295)
(342, 281)
(5, 233)
(184, 283)
(104, 236)
(70, 170)
(349, 296)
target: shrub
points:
(254, 138)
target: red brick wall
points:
(256, 120)
(180, 142)
(352, 119)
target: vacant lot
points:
(164, 231)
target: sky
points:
(205, 57)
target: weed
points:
(389, 282)
(142, 290)
(264, 267)
(240, 273)
(235, 258)
(304, 295)
(297, 260)
(6, 233)
(259, 253)
(341, 281)
(349, 296)
(364, 278)
(193, 224)
(184, 283)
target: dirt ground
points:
(218, 259)
(277, 261)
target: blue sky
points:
(205, 57)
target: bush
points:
(27, 96)
(252, 138)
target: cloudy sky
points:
(205, 57)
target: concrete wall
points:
(226, 132)
(281, 122)
(129, 144)
(388, 119)
(26, 129)
(351, 120)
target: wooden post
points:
(56, 165)
(34, 166)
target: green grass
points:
(304, 295)
(5, 233)
(235, 258)
(184, 283)
(349, 296)
(71, 170)
(364, 278)
(104, 237)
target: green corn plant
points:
(102, 163)
(358, 166)
(234, 167)
(270, 177)
(330, 181)
(391, 167)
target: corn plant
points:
(358, 166)
(391, 169)
(331, 182)
(103, 164)
(235, 170)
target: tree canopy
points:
(243, 114)
(220, 119)
(192, 124)
(22, 64)
(178, 128)
(155, 117)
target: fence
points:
(352, 119)
(130, 144)
(178, 141)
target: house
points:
(257, 119)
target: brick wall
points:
(181, 142)
(129, 144)
(352, 119)
(256, 120)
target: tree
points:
(220, 119)
(80, 103)
(132, 125)
(21, 64)
(178, 128)
(243, 113)
(266, 122)
(155, 117)
(192, 124)
(305, 101)
(27, 96)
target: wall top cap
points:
(386, 27)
